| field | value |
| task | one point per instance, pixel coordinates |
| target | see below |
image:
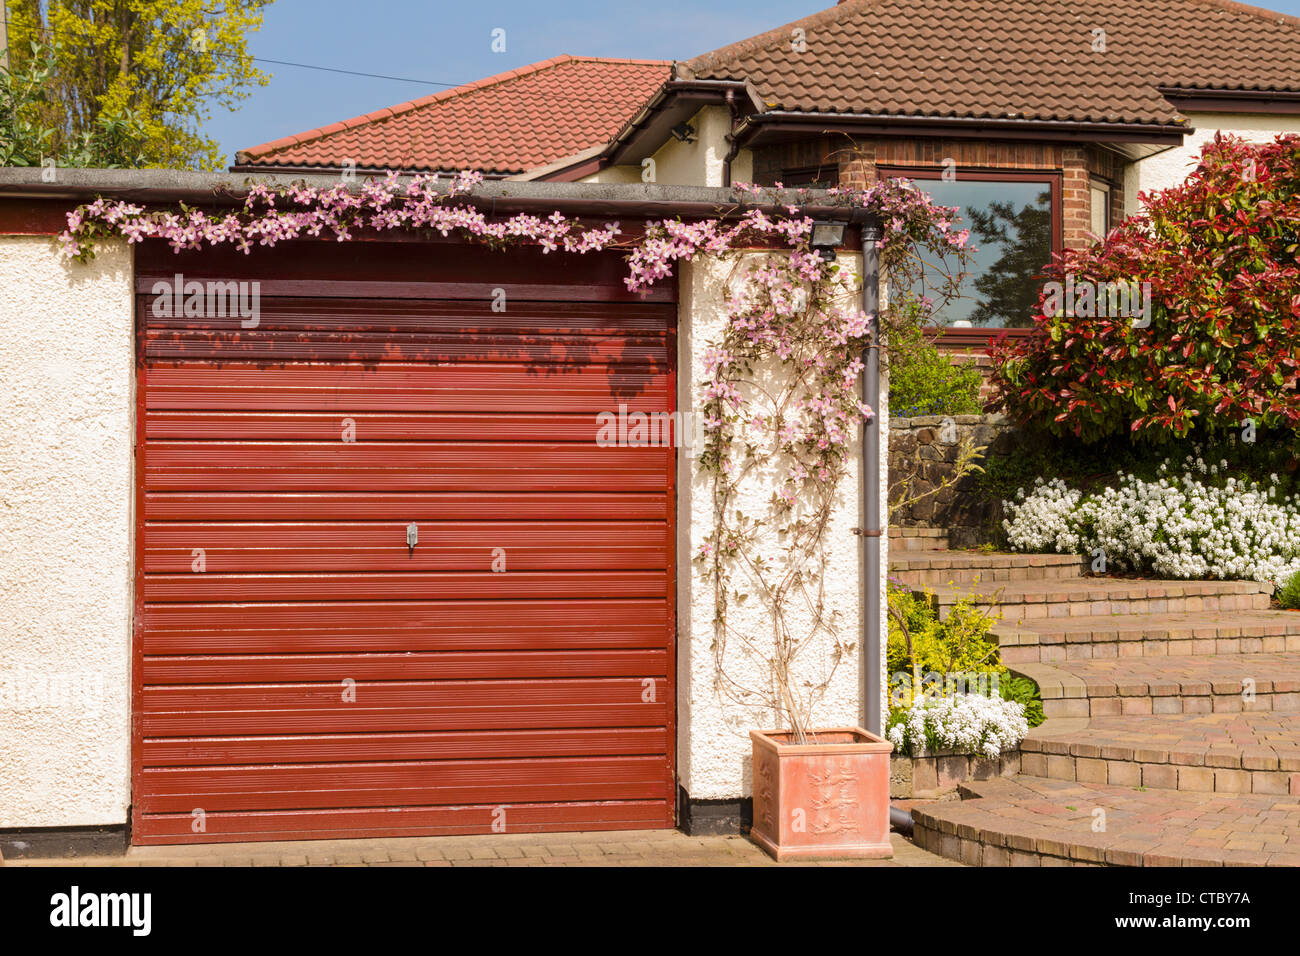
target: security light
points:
(683, 133)
(826, 238)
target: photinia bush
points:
(1220, 345)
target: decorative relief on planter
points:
(765, 795)
(835, 794)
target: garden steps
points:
(1251, 752)
(1028, 820)
(1022, 602)
(923, 568)
(1053, 640)
(1222, 683)
(1173, 707)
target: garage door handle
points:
(412, 536)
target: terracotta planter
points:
(828, 798)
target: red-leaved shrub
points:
(1222, 343)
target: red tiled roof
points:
(1013, 59)
(506, 123)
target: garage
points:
(387, 582)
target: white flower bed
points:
(1173, 527)
(967, 723)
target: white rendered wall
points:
(690, 164)
(65, 543)
(714, 755)
(1173, 165)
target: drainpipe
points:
(872, 529)
(734, 143)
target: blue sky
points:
(451, 43)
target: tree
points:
(116, 139)
(164, 63)
(1008, 290)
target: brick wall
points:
(1076, 197)
(978, 354)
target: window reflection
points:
(1011, 230)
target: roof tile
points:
(506, 123)
(1026, 58)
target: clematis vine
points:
(787, 311)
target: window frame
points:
(1107, 188)
(1055, 179)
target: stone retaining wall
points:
(925, 448)
(933, 776)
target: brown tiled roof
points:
(506, 123)
(1013, 59)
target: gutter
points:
(566, 169)
(784, 121)
(1219, 92)
(1219, 100)
(642, 200)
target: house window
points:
(1100, 193)
(1015, 224)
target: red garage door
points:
(300, 671)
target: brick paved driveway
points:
(632, 848)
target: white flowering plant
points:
(1194, 520)
(966, 723)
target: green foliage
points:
(1024, 692)
(959, 645)
(121, 67)
(918, 640)
(923, 382)
(114, 139)
(1288, 595)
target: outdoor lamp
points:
(826, 238)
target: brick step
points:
(1222, 683)
(937, 568)
(1208, 753)
(1052, 640)
(1025, 601)
(917, 539)
(1035, 821)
